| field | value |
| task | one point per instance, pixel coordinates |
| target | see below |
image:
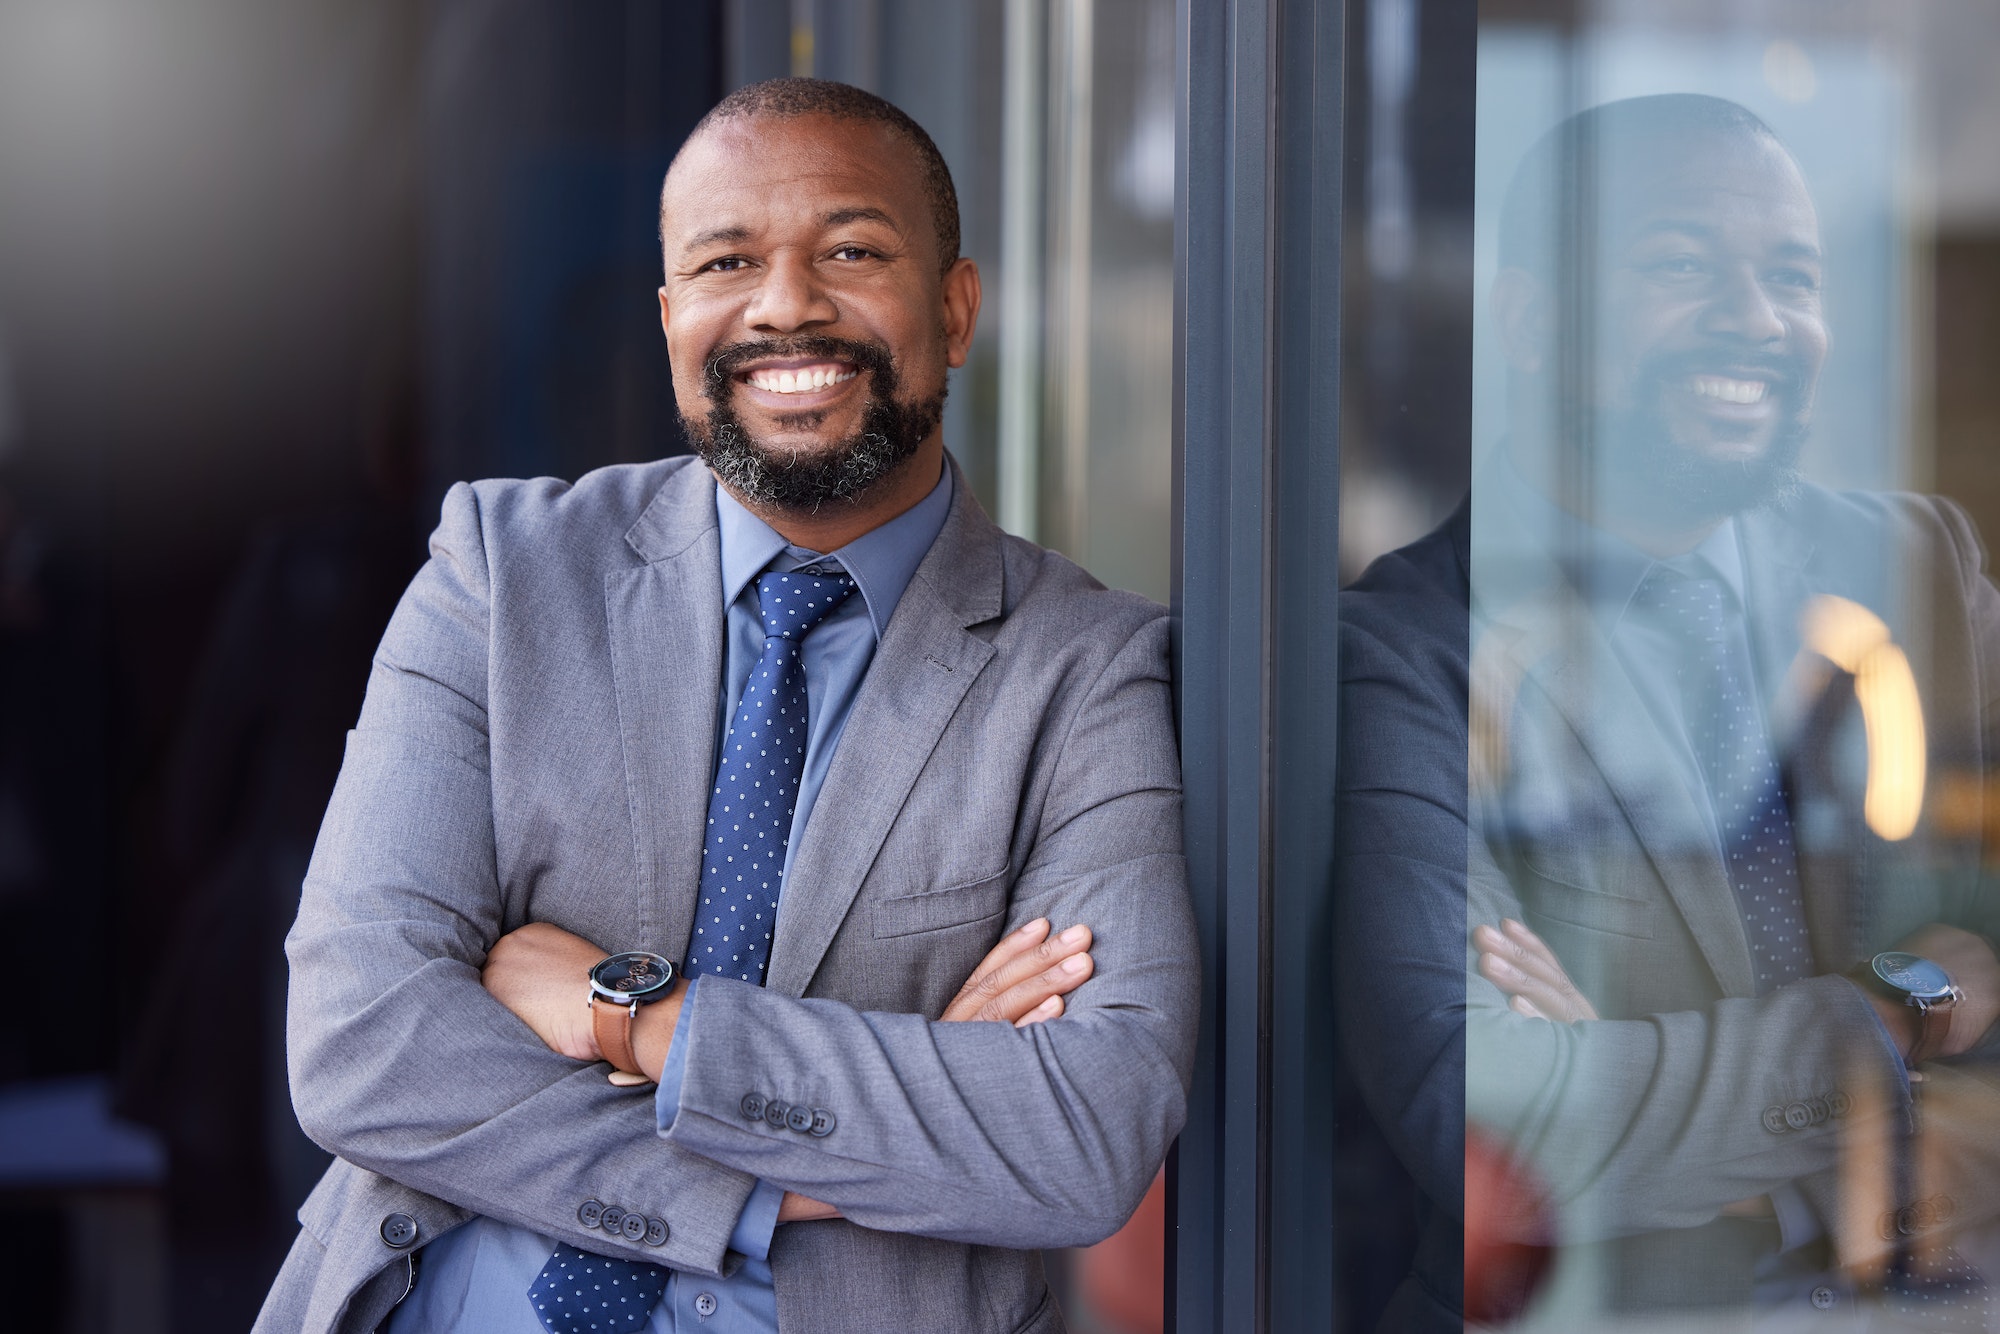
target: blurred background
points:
(273, 274)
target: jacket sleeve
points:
(981, 1132)
(400, 1061)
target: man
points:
(820, 735)
(1632, 753)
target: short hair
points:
(789, 98)
(1556, 182)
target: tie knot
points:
(792, 604)
(1694, 605)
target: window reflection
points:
(1664, 792)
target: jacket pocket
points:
(1593, 909)
(936, 909)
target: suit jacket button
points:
(1838, 1102)
(612, 1219)
(753, 1106)
(822, 1122)
(1774, 1120)
(1820, 1108)
(799, 1119)
(399, 1231)
(1798, 1116)
(591, 1213)
(656, 1232)
(774, 1114)
(632, 1227)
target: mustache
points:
(725, 362)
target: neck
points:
(836, 525)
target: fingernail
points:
(1075, 963)
(1052, 1004)
(1029, 928)
(1075, 935)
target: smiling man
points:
(695, 805)
(1615, 743)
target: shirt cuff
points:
(667, 1097)
(1797, 1223)
(757, 1223)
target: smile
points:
(800, 379)
(1724, 389)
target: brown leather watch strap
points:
(1933, 1026)
(612, 1023)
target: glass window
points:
(1664, 804)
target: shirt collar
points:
(1607, 568)
(881, 561)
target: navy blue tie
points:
(757, 785)
(1725, 727)
(742, 869)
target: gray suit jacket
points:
(537, 745)
(1498, 761)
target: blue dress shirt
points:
(475, 1278)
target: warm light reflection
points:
(1855, 640)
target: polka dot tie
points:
(742, 869)
(1725, 727)
(578, 1292)
(757, 785)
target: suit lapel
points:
(1562, 651)
(1523, 603)
(920, 673)
(666, 655)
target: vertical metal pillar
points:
(1257, 511)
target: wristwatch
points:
(1921, 985)
(618, 987)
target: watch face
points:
(1912, 973)
(637, 976)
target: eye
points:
(853, 252)
(1799, 280)
(1677, 266)
(727, 264)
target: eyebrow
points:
(1687, 227)
(840, 217)
(718, 236)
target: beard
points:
(1642, 465)
(792, 480)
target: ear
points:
(663, 310)
(1524, 318)
(961, 310)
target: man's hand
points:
(1521, 964)
(1968, 960)
(542, 974)
(1023, 979)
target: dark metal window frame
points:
(1256, 451)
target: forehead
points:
(1744, 188)
(755, 172)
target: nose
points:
(1743, 309)
(789, 298)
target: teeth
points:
(1728, 390)
(801, 381)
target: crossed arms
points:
(445, 835)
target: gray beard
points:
(798, 483)
(790, 481)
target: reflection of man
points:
(619, 716)
(1666, 835)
